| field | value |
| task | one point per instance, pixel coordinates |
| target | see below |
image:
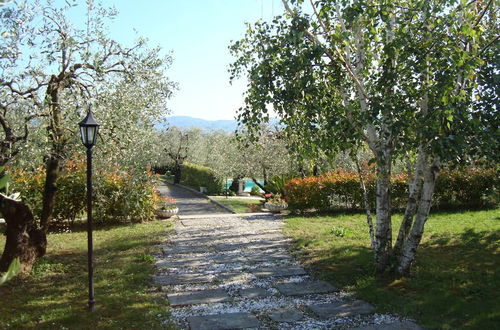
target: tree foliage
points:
(53, 69)
(409, 78)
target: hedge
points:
(196, 176)
(118, 195)
(472, 187)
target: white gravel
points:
(248, 232)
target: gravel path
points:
(230, 272)
(188, 202)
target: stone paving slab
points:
(184, 249)
(277, 271)
(303, 288)
(227, 258)
(229, 247)
(192, 241)
(181, 279)
(231, 276)
(286, 315)
(186, 257)
(268, 246)
(223, 321)
(251, 293)
(341, 309)
(181, 263)
(197, 223)
(198, 297)
(400, 325)
(268, 257)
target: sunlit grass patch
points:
(455, 279)
(240, 205)
(55, 294)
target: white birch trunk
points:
(413, 240)
(366, 203)
(383, 233)
(411, 206)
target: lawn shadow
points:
(454, 282)
(55, 295)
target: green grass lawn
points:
(238, 205)
(455, 280)
(54, 296)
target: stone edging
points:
(196, 192)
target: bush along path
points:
(230, 272)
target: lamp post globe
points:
(88, 131)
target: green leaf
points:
(4, 180)
(13, 270)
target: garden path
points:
(190, 203)
(232, 272)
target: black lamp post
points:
(88, 131)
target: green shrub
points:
(71, 200)
(255, 191)
(196, 176)
(277, 184)
(122, 197)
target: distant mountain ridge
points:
(186, 122)
(189, 122)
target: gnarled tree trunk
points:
(49, 192)
(177, 173)
(25, 240)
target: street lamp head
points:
(88, 130)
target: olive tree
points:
(401, 76)
(51, 71)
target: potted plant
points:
(167, 208)
(276, 204)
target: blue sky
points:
(198, 33)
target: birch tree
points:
(400, 76)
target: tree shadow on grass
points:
(55, 295)
(454, 282)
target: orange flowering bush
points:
(306, 193)
(465, 187)
(70, 199)
(118, 195)
(30, 185)
(471, 187)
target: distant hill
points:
(186, 122)
(189, 122)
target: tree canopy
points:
(408, 78)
